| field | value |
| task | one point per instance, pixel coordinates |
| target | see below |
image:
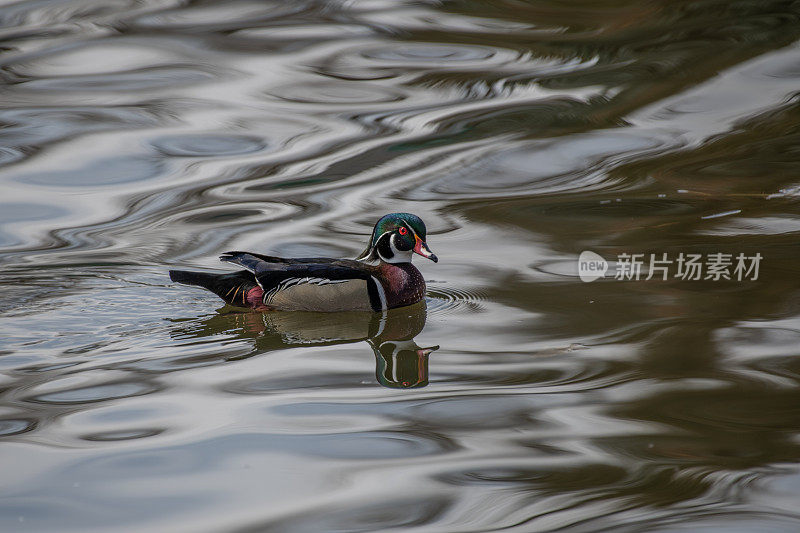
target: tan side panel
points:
(350, 295)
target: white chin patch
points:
(400, 256)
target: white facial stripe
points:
(414, 233)
(381, 235)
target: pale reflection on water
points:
(139, 136)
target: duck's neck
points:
(403, 283)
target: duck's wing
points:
(231, 257)
(316, 284)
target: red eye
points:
(403, 231)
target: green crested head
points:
(396, 237)
(395, 221)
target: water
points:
(141, 136)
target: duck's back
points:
(314, 284)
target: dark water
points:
(136, 136)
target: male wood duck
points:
(380, 278)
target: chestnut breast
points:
(403, 283)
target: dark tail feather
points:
(201, 279)
(232, 287)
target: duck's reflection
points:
(401, 364)
(399, 361)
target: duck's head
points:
(396, 237)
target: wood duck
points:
(380, 278)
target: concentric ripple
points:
(446, 300)
(209, 145)
(411, 54)
(11, 426)
(329, 93)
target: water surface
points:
(141, 136)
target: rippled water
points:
(139, 136)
